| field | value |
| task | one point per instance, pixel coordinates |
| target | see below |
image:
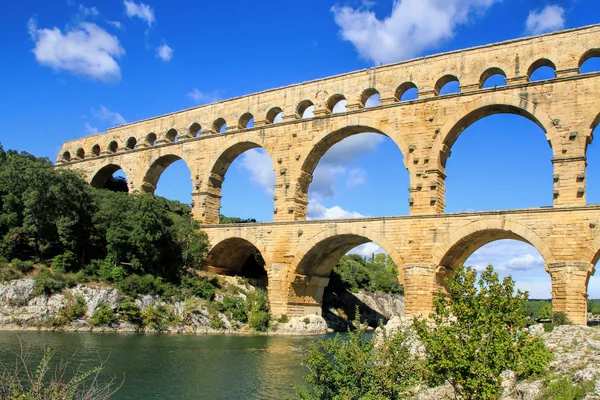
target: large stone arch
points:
(483, 106)
(218, 167)
(100, 177)
(336, 130)
(465, 240)
(592, 253)
(157, 166)
(230, 252)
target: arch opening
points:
(274, 115)
(592, 173)
(110, 177)
(306, 109)
(195, 129)
(541, 70)
(448, 84)
(80, 153)
(407, 91)
(246, 121)
(113, 147)
(509, 254)
(169, 176)
(238, 257)
(151, 139)
(337, 104)
(370, 98)
(350, 164)
(172, 135)
(590, 61)
(247, 193)
(508, 148)
(337, 267)
(493, 77)
(220, 126)
(131, 143)
(96, 150)
(66, 156)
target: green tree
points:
(476, 332)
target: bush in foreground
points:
(477, 332)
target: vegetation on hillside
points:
(476, 332)
(375, 274)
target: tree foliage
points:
(477, 332)
(377, 274)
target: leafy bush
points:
(131, 312)
(351, 368)
(378, 274)
(135, 285)
(259, 320)
(103, 316)
(548, 326)
(564, 389)
(283, 319)
(64, 262)
(48, 283)
(234, 307)
(8, 273)
(159, 317)
(74, 308)
(23, 267)
(560, 318)
(477, 332)
(217, 323)
(200, 287)
(259, 314)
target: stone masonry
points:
(426, 245)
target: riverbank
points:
(98, 307)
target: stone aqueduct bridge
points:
(427, 244)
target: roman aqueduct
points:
(428, 243)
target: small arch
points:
(240, 257)
(590, 61)
(407, 91)
(370, 98)
(66, 156)
(274, 115)
(156, 169)
(151, 139)
(195, 129)
(113, 146)
(492, 77)
(336, 104)
(131, 143)
(541, 69)
(305, 109)
(96, 150)
(80, 153)
(246, 121)
(220, 126)
(172, 135)
(447, 84)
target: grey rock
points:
(528, 390)
(17, 292)
(307, 325)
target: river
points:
(179, 366)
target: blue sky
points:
(72, 68)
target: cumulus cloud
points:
(367, 249)
(550, 18)
(317, 210)
(413, 27)
(105, 115)
(507, 256)
(164, 52)
(141, 11)
(258, 163)
(86, 50)
(88, 12)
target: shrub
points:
(131, 312)
(283, 319)
(159, 317)
(135, 285)
(560, 318)
(8, 273)
(343, 367)
(48, 283)
(217, 323)
(259, 320)
(548, 326)
(103, 316)
(74, 308)
(23, 267)
(116, 274)
(564, 389)
(64, 262)
(200, 287)
(477, 332)
(259, 314)
(234, 307)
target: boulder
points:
(307, 325)
(17, 292)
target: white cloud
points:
(88, 12)
(413, 26)
(89, 129)
(200, 97)
(318, 211)
(85, 50)
(507, 256)
(116, 24)
(258, 163)
(164, 52)
(105, 115)
(550, 18)
(356, 177)
(367, 249)
(141, 10)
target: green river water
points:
(179, 366)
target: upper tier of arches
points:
(469, 70)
